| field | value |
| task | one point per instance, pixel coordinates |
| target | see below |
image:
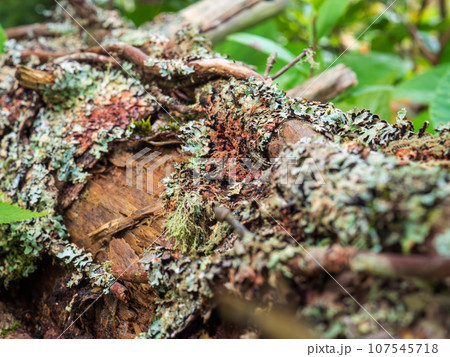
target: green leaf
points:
(420, 119)
(376, 68)
(317, 4)
(11, 213)
(440, 105)
(3, 38)
(421, 88)
(376, 99)
(262, 44)
(328, 15)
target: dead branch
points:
(29, 31)
(223, 214)
(218, 18)
(203, 68)
(292, 63)
(87, 57)
(336, 259)
(228, 16)
(173, 104)
(270, 63)
(432, 57)
(326, 85)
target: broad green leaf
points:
(317, 4)
(262, 44)
(328, 15)
(376, 99)
(376, 68)
(12, 213)
(3, 38)
(372, 89)
(440, 105)
(421, 88)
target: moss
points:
(13, 328)
(189, 224)
(143, 126)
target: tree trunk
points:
(189, 197)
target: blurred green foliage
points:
(22, 12)
(384, 46)
(2, 39)
(401, 54)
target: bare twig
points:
(292, 63)
(171, 103)
(270, 63)
(223, 214)
(443, 9)
(30, 31)
(432, 57)
(333, 82)
(87, 57)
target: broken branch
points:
(292, 63)
(270, 63)
(29, 31)
(327, 85)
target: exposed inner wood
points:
(109, 209)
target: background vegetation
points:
(401, 58)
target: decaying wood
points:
(33, 78)
(120, 224)
(326, 85)
(129, 220)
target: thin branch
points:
(432, 57)
(270, 63)
(443, 9)
(87, 57)
(336, 259)
(29, 31)
(293, 62)
(223, 214)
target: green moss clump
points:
(190, 223)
